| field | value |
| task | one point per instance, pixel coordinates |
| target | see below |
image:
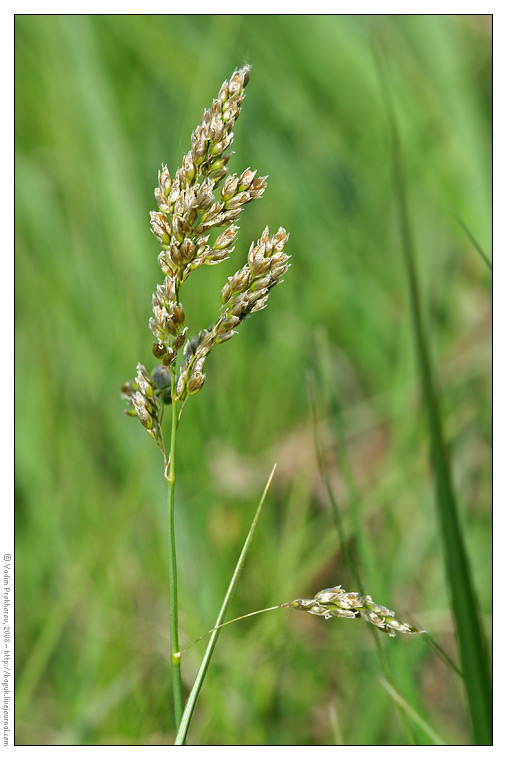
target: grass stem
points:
(234, 620)
(173, 575)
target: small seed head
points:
(240, 281)
(229, 187)
(336, 602)
(225, 239)
(180, 339)
(226, 293)
(187, 250)
(246, 179)
(165, 262)
(178, 314)
(160, 227)
(143, 381)
(159, 349)
(188, 168)
(195, 383)
(189, 206)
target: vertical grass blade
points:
(196, 688)
(350, 560)
(473, 653)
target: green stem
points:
(173, 577)
(235, 620)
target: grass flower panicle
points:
(193, 209)
(336, 602)
(201, 198)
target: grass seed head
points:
(336, 602)
(200, 198)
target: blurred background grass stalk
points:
(352, 562)
(473, 654)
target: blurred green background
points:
(101, 102)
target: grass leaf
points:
(474, 242)
(435, 738)
(199, 680)
(474, 659)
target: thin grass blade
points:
(350, 560)
(196, 688)
(473, 652)
(474, 242)
(435, 738)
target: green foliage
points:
(474, 658)
(101, 102)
